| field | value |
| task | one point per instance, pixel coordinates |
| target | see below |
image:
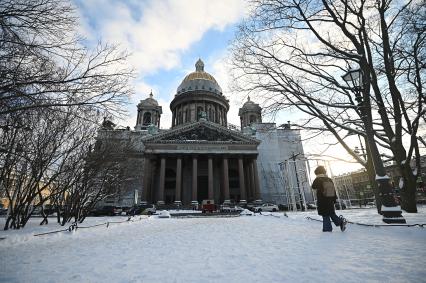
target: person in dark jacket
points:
(326, 197)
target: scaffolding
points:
(287, 183)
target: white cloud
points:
(220, 70)
(156, 33)
(164, 30)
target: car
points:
(283, 207)
(230, 208)
(311, 205)
(3, 211)
(250, 206)
(49, 209)
(337, 205)
(107, 210)
(142, 209)
(36, 210)
(266, 207)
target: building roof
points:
(199, 80)
(249, 106)
(150, 101)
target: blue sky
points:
(165, 38)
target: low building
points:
(355, 186)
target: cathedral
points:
(202, 157)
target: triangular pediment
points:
(201, 131)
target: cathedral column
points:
(256, 181)
(183, 113)
(226, 180)
(251, 176)
(178, 200)
(173, 118)
(194, 180)
(146, 180)
(247, 179)
(210, 178)
(221, 117)
(243, 197)
(162, 180)
(158, 120)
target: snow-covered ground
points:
(259, 248)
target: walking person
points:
(326, 197)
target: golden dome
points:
(199, 80)
(199, 75)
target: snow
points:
(162, 214)
(386, 177)
(401, 183)
(415, 171)
(391, 208)
(262, 248)
(246, 212)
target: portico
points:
(215, 163)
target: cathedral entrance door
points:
(203, 190)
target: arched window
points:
(253, 119)
(147, 118)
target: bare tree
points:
(43, 62)
(35, 146)
(292, 53)
(90, 176)
(53, 90)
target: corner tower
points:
(250, 113)
(199, 96)
(149, 112)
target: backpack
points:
(328, 189)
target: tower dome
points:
(199, 80)
(250, 104)
(199, 95)
(150, 101)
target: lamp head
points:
(353, 78)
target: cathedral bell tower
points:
(149, 113)
(250, 113)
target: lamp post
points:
(390, 210)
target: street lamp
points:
(392, 213)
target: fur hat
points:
(320, 170)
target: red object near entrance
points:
(208, 206)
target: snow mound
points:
(246, 212)
(163, 214)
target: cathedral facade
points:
(201, 157)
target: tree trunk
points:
(6, 225)
(58, 214)
(372, 179)
(408, 191)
